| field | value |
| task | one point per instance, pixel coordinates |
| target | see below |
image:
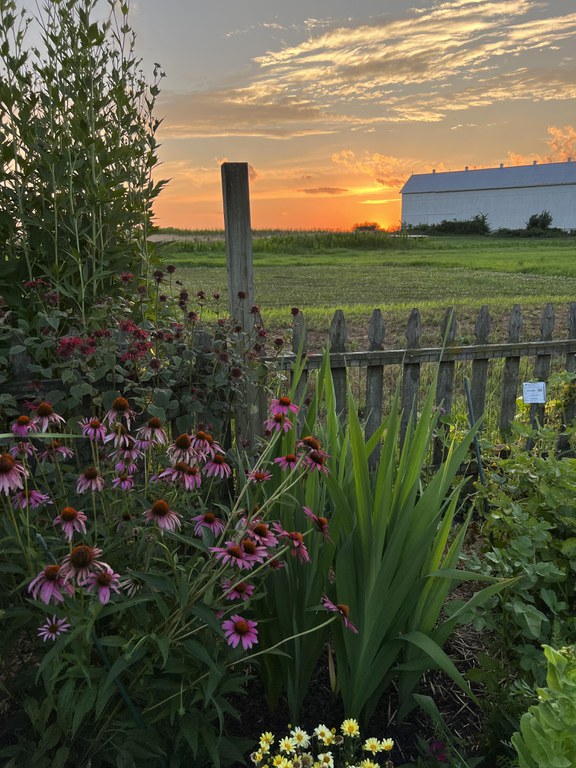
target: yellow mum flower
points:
(350, 727)
(326, 759)
(372, 745)
(301, 738)
(266, 740)
(288, 745)
(387, 744)
(281, 762)
(367, 763)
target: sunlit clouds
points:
(335, 113)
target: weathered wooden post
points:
(570, 404)
(374, 385)
(480, 366)
(445, 386)
(410, 375)
(511, 373)
(238, 230)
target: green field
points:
(393, 275)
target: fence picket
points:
(542, 362)
(480, 367)
(337, 338)
(511, 372)
(445, 387)
(411, 373)
(374, 383)
(299, 346)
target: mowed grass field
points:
(319, 275)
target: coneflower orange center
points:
(311, 442)
(261, 529)
(209, 517)
(284, 401)
(6, 463)
(81, 556)
(160, 508)
(234, 550)
(183, 442)
(249, 547)
(68, 514)
(23, 420)
(51, 572)
(154, 423)
(344, 609)
(91, 473)
(44, 409)
(120, 404)
(241, 627)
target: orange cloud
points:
(562, 144)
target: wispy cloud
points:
(432, 62)
(325, 191)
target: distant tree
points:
(539, 220)
(366, 226)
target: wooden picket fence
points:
(411, 361)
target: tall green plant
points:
(396, 556)
(77, 151)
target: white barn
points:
(508, 196)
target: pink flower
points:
(22, 449)
(259, 476)
(54, 450)
(238, 630)
(321, 523)
(237, 590)
(12, 474)
(186, 475)
(22, 426)
(44, 417)
(31, 498)
(120, 437)
(315, 461)
(283, 405)
(287, 462)
(80, 563)
(234, 554)
(120, 410)
(217, 467)
(71, 520)
(182, 450)
(151, 434)
(278, 423)
(93, 429)
(261, 533)
(48, 585)
(90, 480)
(210, 521)
(164, 517)
(342, 609)
(104, 581)
(123, 482)
(53, 628)
(205, 445)
(295, 542)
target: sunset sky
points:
(334, 103)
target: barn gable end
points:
(508, 196)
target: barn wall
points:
(510, 208)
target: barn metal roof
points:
(547, 174)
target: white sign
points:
(534, 391)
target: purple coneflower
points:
(44, 417)
(182, 450)
(53, 628)
(253, 551)
(151, 434)
(164, 517)
(12, 474)
(310, 442)
(283, 405)
(234, 554)
(278, 423)
(295, 541)
(104, 581)
(90, 480)
(259, 476)
(120, 410)
(321, 523)
(23, 449)
(49, 584)
(186, 475)
(239, 590)
(205, 445)
(71, 520)
(261, 533)
(315, 461)
(81, 562)
(31, 498)
(93, 429)
(287, 462)
(238, 630)
(210, 521)
(55, 450)
(124, 482)
(119, 437)
(342, 609)
(22, 426)
(217, 467)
